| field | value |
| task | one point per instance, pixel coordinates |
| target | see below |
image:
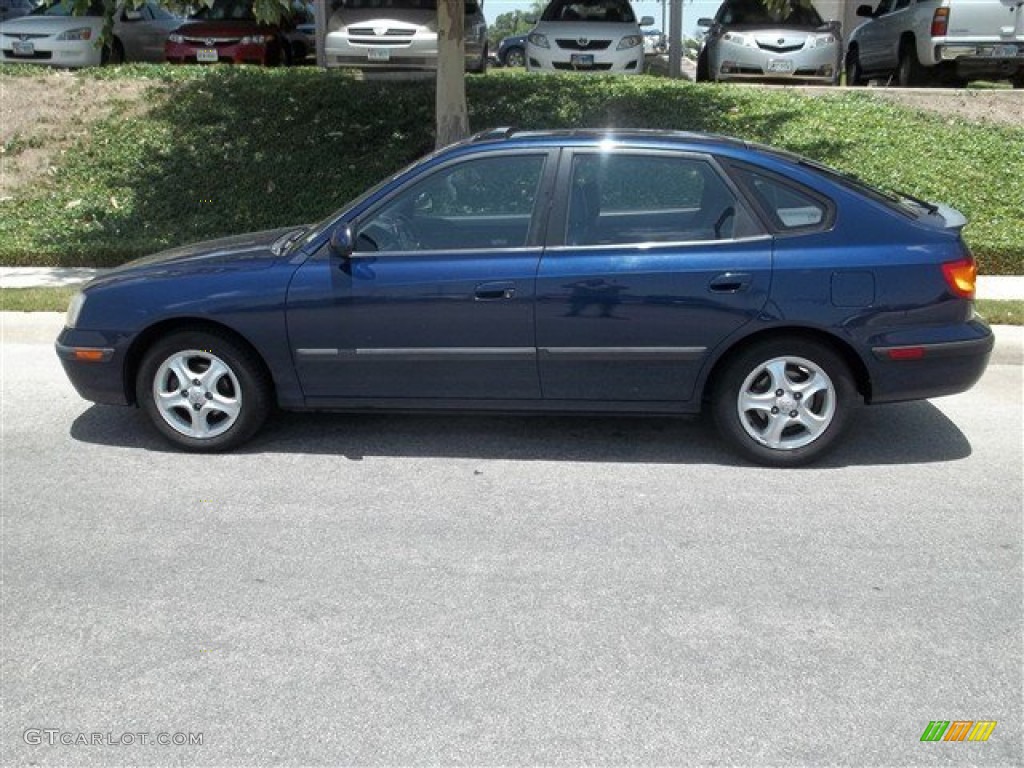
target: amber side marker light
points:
(962, 276)
(89, 355)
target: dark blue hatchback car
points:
(626, 271)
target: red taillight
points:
(961, 277)
(940, 22)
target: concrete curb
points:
(43, 327)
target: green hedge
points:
(222, 150)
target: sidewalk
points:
(1001, 288)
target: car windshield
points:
(67, 8)
(397, 5)
(615, 11)
(226, 10)
(798, 13)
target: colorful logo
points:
(958, 730)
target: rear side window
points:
(621, 198)
(789, 206)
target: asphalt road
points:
(412, 590)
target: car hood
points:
(373, 18)
(250, 251)
(200, 28)
(48, 25)
(593, 30)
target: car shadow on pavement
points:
(907, 433)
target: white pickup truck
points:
(925, 42)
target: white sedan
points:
(53, 35)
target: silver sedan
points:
(748, 39)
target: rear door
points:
(653, 260)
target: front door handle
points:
(731, 282)
(494, 291)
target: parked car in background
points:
(587, 36)
(655, 42)
(52, 34)
(759, 40)
(512, 51)
(12, 9)
(227, 32)
(930, 42)
(303, 37)
(600, 271)
(398, 34)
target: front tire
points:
(784, 402)
(203, 391)
(703, 67)
(515, 57)
(854, 73)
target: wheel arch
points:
(153, 333)
(858, 369)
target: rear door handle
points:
(731, 282)
(494, 291)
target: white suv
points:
(587, 36)
(920, 42)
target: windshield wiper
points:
(284, 243)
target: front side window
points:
(482, 203)
(623, 198)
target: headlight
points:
(82, 33)
(536, 38)
(74, 309)
(630, 41)
(819, 41)
(737, 39)
(256, 39)
(176, 38)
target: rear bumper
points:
(915, 371)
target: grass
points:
(56, 300)
(223, 150)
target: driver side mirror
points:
(705, 22)
(132, 16)
(865, 10)
(647, 21)
(342, 242)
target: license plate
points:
(19, 48)
(1004, 51)
(206, 55)
(378, 54)
(780, 65)
(582, 60)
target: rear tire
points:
(909, 72)
(1017, 80)
(113, 54)
(203, 391)
(797, 426)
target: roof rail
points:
(495, 134)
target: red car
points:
(228, 32)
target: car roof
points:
(597, 135)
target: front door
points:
(436, 303)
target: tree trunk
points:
(450, 106)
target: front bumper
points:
(74, 53)
(418, 51)
(95, 364)
(629, 61)
(741, 62)
(236, 53)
